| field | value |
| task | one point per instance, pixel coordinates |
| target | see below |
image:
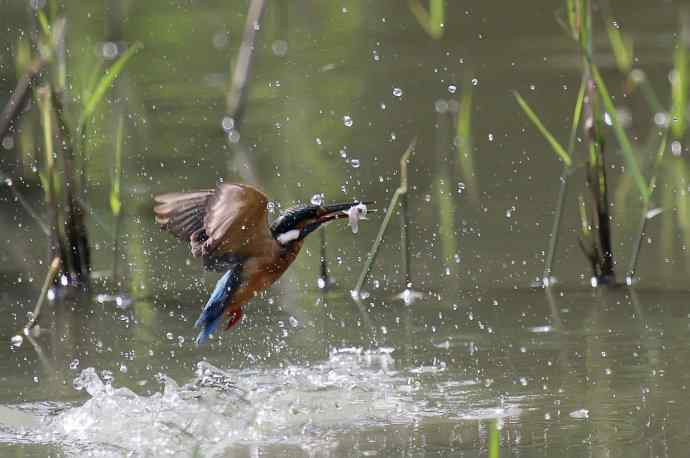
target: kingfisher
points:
(227, 227)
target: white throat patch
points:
(288, 236)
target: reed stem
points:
(401, 191)
(50, 277)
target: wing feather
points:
(220, 224)
(182, 213)
(236, 218)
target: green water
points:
(573, 371)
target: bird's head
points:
(299, 221)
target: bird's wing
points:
(182, 213)
(222, 224)
(236, 222)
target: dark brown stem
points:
(50, 277)
(75, 226)
(598, 187)
(20, 97)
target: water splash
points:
(300, 407)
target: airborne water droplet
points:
(347, 120)
(317, 199)
(397, 92)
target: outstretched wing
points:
(212, 313)
(236, 218)
(221, 224)
(182, 213)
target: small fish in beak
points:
(354, 214)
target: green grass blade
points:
(464, 144)
(680, 85)
(557, 148)
(436, 18)
(115, 199)
(106, 82)
(432, 21)
(622, 46)
(621, 136)
(43, 23)
(446, 211)
(577, 114)
(494, 439)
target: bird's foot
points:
(235, 317)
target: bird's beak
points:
(329, 213)
(337, 211)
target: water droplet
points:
(109, 50)
(321, 283)
(293, 322)
(661, 119)
(441, 106)
(279, 48)
(74, 364)
(355, 163)
(317, 199)
(169, 336)
(17, 341)
(491, 137)
(347, 120)
(475, 82)
(607, 119)
(228, 123)
(233, 136)
(676, 148)
(461, 187)
(8, 142)
(397, 92)
(452, 88)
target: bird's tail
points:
(212, 313)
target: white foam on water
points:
(297, 406)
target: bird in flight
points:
(227, 227)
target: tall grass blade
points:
(115, 199)
(446, 210)
(437, 15)
(463, 143)
(401, 191)
(621, 136)
(621, 45)
(680, 84)
(632, 268)
(557, 148)
(563, 188)
(106, 82)
(494, 439)
(431, 21)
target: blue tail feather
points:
(212, 314)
